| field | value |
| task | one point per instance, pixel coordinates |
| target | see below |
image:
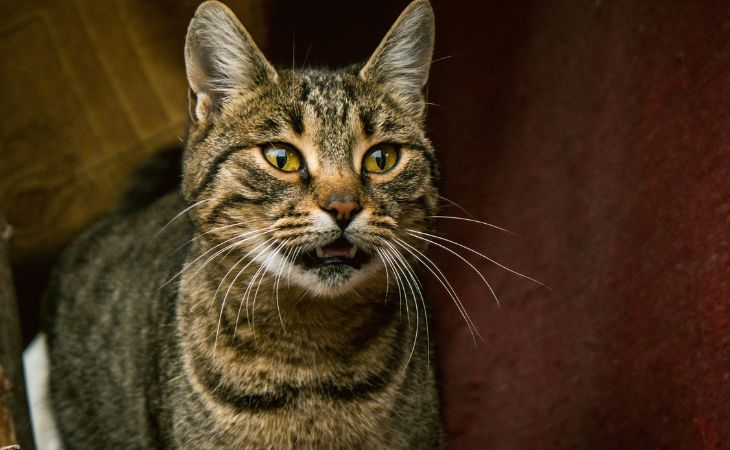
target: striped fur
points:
(232, 341)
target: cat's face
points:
(316, 175)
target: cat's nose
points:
(343, 210)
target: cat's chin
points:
(335, 268)
(337, 279)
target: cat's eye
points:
(380, 158)
(283, 157)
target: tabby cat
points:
(272, 303)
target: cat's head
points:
(316, 173)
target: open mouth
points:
(339, 251)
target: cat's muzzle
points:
(340, 251)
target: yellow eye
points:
(283, 157)
(380, 158)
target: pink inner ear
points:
(203, 106)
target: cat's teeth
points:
(353, 251)
(320, 252)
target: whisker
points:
(243, 269)
(249, 287)
(213, 249)
(378, 250)
(306, 55)
(180, 214)
(419, 288)
(446, 285)
(410, 286)
(244, 297)
(476, 221)
(399, 266)
(202, 255)
(405, 265)
(294, 258)
(265, 265)
(442, 58)
(225, 297)
(453, 203)
(386, 258)
(215, 294)
(218, 229)
(278, 279)
(485, 257)
(402, 296)
(223, 279)
(224, 257)
(233, 245)
(387, 277)
(466, 261)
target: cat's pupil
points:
(379, 158)
(280, 158)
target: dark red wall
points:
(600, 132)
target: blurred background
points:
(598, 131)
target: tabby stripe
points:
(229, 202)
(296, 120)
(431, 159)
(290, 226)
(254, 403)
(305, 91)
(292, 213)
(287, 394)
(363, 336)
(284, 395)
(383, 224)
(368, 332)
(215, 167)
(366, 117)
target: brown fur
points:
(247, 347)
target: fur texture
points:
(234, 340)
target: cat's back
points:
(108, 311)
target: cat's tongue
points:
(341, 248)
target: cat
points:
(272, 301)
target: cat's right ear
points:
(221, 60)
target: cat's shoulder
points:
(130, 238)
(131, 248)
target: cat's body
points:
(246, 337)
(127, 383)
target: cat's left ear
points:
(221, 60)
(402, 60)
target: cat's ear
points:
(402, 60)
(221, 60)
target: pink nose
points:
(343, 211)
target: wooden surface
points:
(7, 424)
(14, 418)
(92, 89)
